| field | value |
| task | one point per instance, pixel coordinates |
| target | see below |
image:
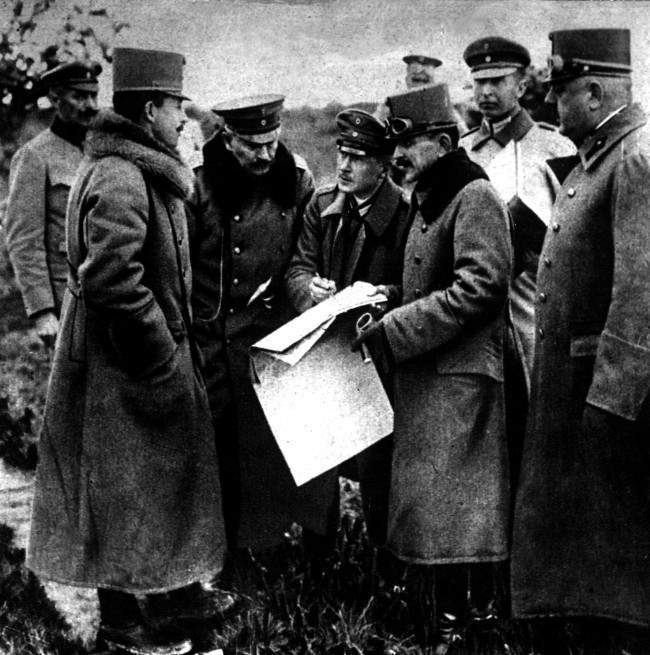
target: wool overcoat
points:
(127, 487)
(582, 522)
(41, 175)
(244, 232)
(376, 255)
(449, 487)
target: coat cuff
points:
(38, 300)
(621, 380)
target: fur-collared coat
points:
(127, 490)
(581, 542)
(243, 236)
(449, 498)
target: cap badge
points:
(357, 121)
(263, 122)
(355, 134)
(488, 59)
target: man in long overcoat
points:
(449, 486)
(582, 522)
(40, 178)
(356, 230)
(127, 492)
(250, 200)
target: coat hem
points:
(569, 613)
(470, 559)
(44, 577)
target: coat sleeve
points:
(304, 262)
(115, 213)
(25, 230)
(478, 290)
(621, 380)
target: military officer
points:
(582, 520)
(513, 149)
(251, 196)
(39, 182)
(354, 230)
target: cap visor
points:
(91, 87)
(500, 71)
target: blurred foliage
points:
(36, 36)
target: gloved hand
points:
(47, 327)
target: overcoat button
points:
(180, 240)
(555, 227)
(236, 218)
(236, 250)
(541, 333)
(235, 282)
(283, 214)
(418, 292)
(425, 227)
(571, 192)
(547, 262)
(231, 310)
(542, 297)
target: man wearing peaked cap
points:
(39, 181)
(513, 149)
(446, 342)
(250, 199)
(581, 533)
(355, 230)
(128, 498)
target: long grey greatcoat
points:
(449, 491)
(582, 522)
(42, 172)
(243, 237)
(127, 489)
(376, 255)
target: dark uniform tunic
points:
(373, 252)
(243, 237)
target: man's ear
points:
(522, 85)
(226, 137)
(596, 94)
(445, 142)
(148, 112)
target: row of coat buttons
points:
(237, 217)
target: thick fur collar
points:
(113, 135)
(230, 183)
(440, 184)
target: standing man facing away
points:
(356, 230)
(40, 178)
(513, 150)
(127, 492)
(582, 523)
(251, 196)
(449, 486)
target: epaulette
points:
(300, 162)
(547, 126)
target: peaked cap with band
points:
(603, 52)
(135, 69)
(252, 117)
(422, 110)
(424, 60)
(494, 56)
(362, 134)
(79, 75)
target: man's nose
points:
(265, 153)
(550, 96)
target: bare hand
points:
(320, 288)
(47, 327)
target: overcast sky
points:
(350, 50)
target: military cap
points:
(252, 116)
(135, 69)
(425, 60)
(494, 56)
(426, 109)
(78, 75)
(604, 52)
(362, 134)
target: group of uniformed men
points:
(521, 255)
